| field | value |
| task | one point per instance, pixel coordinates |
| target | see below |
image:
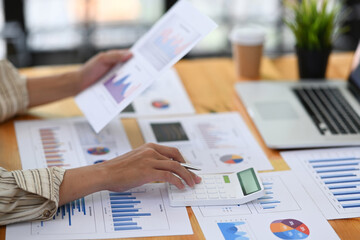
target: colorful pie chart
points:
(289, 229)
(231, 159)
(161, 104)
(98, 150)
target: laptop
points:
(306, 114)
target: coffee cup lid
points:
(247, 35)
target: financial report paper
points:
(285, 212)
(139, 212)
(69, 143)
(331, 177)
(161, 47)
(165, 97)
(213, 142)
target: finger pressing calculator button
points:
(200, 186)
(172, 186)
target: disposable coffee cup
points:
(247, 46)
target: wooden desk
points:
(209, 83)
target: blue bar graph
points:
(334, 160)
(338, 175)
(70, 209)
(126, 211)
(338, 170)
(335, 165)
(268, 202)
(342, 177)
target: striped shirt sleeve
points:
(13, 92)
(27, 195)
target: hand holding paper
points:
(166, 43)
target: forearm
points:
(43, 90)
(79, 182)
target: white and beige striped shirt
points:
(24, 194)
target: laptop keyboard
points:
(329, 110)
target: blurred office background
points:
(46, 32)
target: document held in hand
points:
(178, 31)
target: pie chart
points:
(231, 159)
(98, 150)
(161, 104)
(289, 229)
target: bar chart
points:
(332, 178)
(56, 149)
(341, 178)
(76, 217)
(134, 210)
(277, 197)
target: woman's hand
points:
(99, 65)
(47, 89)
(148, 163)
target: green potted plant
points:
(315, 25)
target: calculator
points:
(219, 189)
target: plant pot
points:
(312, 63)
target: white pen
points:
(188, 166)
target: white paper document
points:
(165, 97)
(213, 142)
(140, 212)
(68, 143)
(331, 177)
(285, 212)
(167, 42)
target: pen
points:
(188, 166)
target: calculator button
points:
(223, 196)
(200, 191)
(199, 186)
(189, 197)
(231, 195)
(178, 191)
(206, 177)
(213, 196)
(210, 186)
(212, 191)
(207, 181)
(222, 191)
(201, 196)
(178, 197)
(220, 186)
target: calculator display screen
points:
(248, 181)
